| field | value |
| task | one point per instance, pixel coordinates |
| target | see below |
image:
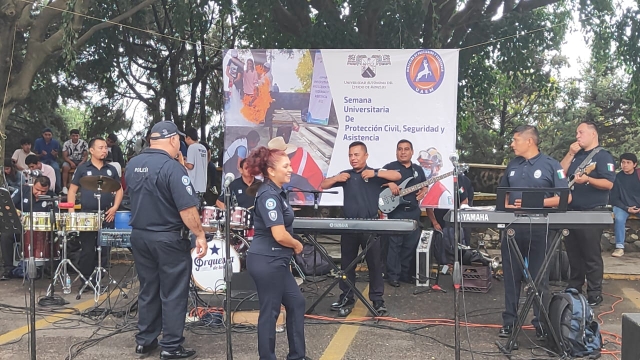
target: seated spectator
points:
(47, 149)
(34, 163)
(15, 178)
(625, 198)
(21, 154)
(114, 149)
(74, 153)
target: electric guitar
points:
(586, 171)
(387, 202)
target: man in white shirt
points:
(196, 162)
(20, 155)
(74, 153)
(33, 163)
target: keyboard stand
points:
(342, 274)
(533, 295)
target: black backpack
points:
(572, 320)
(305, 261)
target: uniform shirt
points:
(197, 156)
(159, 188)
(414, 171)
(75, 151)
(361, 197)
(21, 200)
(541, 171)
(19, 156)
(39, 145)
(87, 199)
(238, 190)
(583, 196)
(271, 209)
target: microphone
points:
(35, 173)
(228, 179)
(454, 158)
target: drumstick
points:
(251, 207)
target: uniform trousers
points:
(533, 244)
(88, 260)
(402, 248)
(163, 263)
(276, 285)
(350, 245)
(585, 259)
(6, 246)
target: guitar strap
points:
(586, 161)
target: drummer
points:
(238, 188)
(21, 200)
(109, 202)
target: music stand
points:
(530, 207)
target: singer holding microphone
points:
(270, 253)
(163, 201)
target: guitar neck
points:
(419, 186)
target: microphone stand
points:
(457, 272)
(31, 273)
(228, 268)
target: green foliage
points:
(304, 72)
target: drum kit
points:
(208, 272)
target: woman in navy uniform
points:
(270, 253)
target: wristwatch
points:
(587, 180)
(375, 173)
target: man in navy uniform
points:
(402, 248)
(361, 186)
(590, 191)
(22, 202)
(109, 202)
(163, 201)
(238, 188)
(530, 169)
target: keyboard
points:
(338, 226)
(566, 220)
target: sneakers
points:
(595, 300)
(65, 190)
(617, 252)
(505, 331)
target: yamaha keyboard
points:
(564, 220)
(339, 226)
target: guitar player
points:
(402, 248)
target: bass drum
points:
(208, 273)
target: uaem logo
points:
(425, 71)
(368, 64)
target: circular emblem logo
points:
(537, 174)
(270, 204)
(425, 71)
(109, 172)
(185, 180)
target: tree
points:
(34, 36)
(304, 72)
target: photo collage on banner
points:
(313, 103)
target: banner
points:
(314, 103)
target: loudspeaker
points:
(630, 336)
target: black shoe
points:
(180, 353)
(540, 334)
(378, 305)
(6, 276)
(394, 283)
(345, 311)
(595, 300)
(146, 350)
(505, 332)
(336, 306)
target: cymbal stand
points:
(61, 272)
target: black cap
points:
(164, 130)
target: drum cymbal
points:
(107, 184)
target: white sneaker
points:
(617, 252)
(64, 190)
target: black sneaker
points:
(540, 334)
(505, 331)
(378, 305)
(595, 300)
(336, 306)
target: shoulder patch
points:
(610, 167)
(185, 180)
(270, 203)
(273, 215)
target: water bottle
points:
(66, 289)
